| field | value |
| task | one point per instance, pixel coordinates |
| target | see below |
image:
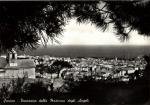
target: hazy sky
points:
(87, 34)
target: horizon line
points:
(93, 45)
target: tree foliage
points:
(58, 65)
(23, 24)
(62, 64)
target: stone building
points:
(12, 67)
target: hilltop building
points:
(14, 67)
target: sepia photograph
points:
(84, 52)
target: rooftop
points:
(21, 63)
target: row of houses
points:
(103, 71)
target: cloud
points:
(87, 34)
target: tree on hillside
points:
(41, 68)
(58, 65)
(51, 70)
(63, 64)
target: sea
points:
(110, 51)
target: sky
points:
(88, 34)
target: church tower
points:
(14, 54)
(12, 57)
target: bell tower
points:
(14, 54)
(12, 57)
